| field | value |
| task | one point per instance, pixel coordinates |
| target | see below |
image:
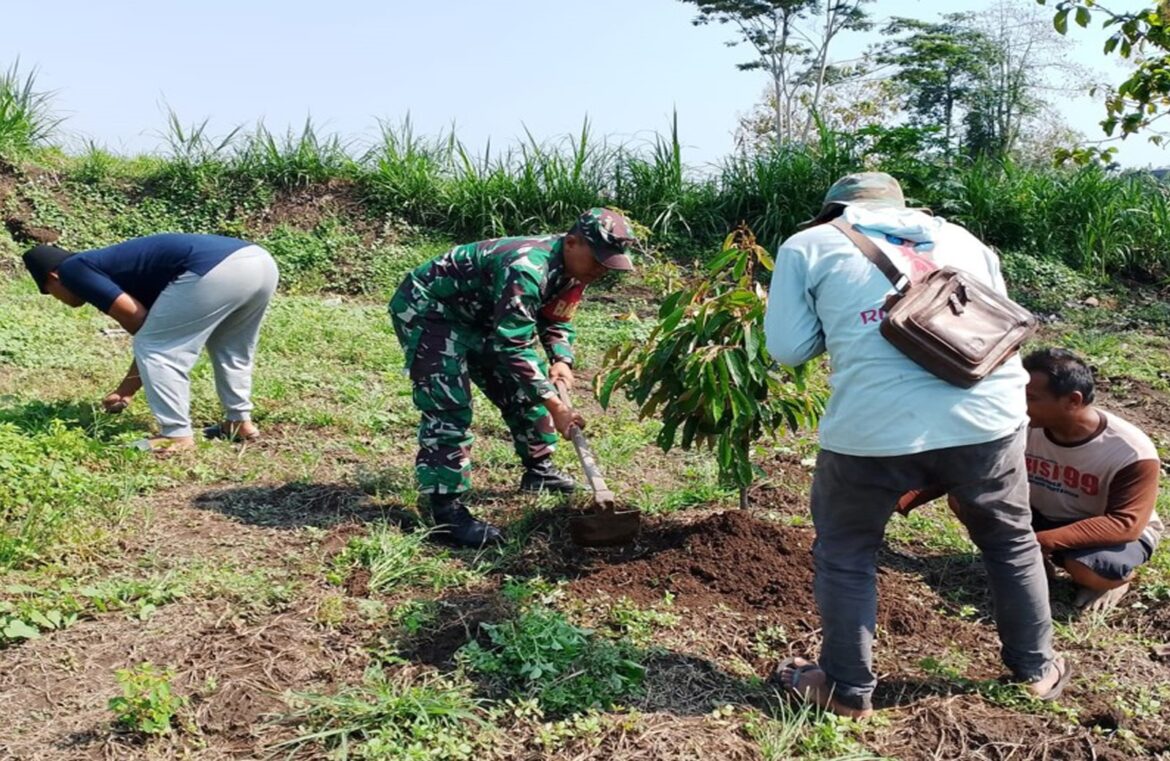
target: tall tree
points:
(938, 67)
(1024, 63)
(791, 41)
(980, 78)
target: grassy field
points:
(282, 600)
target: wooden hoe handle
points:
(602, 496)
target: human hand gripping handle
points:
(562, 372)
(602, 496)
(565, 418)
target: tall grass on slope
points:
(657, 187)
(404, 174)
(294, 159)
(775, 190)
(26, 116)
(1095, 221)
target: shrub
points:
(705, 369)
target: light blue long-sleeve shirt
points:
(826, 296)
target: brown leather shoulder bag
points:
(949, 323)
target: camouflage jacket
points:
(506, 293)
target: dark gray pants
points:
(854, 497)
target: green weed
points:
(952, 665)
(415, 615)
(1044, 285)
(934, 528)
(397, 561)
(803, 732)
(1154, 576)
(769, 642)
(638, 625)
(58, 488)
(387, 717)
(565, 668)
(589, 726)
(330, 612)
(147, 704)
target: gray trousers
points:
(852, 500)
(221, 310)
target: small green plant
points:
(415, 615)
(588, 726)
(797, 732)
(27, 621)
(1144, 702)
(330, 612)
(390, 717)
(147, 703)
(705, 369)
(770, 641)
(639, 625)
(951, 666)
(541, 655)
(536, 590)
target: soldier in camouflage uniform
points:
(478, 314)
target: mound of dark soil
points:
(752, 566)
(731, 558)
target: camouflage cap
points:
(874, 190)
(609, 235)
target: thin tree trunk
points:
(822, 65)
(779, 125)
(743, 498)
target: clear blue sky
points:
(490, 67)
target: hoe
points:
(604, 525)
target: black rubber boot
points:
(542, 475)
(454, 523)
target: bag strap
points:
(874, 253)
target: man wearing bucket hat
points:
(477, 314)
(892, 427)
(175, 293)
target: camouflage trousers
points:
(443, 360)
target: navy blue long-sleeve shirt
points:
(143, 267)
